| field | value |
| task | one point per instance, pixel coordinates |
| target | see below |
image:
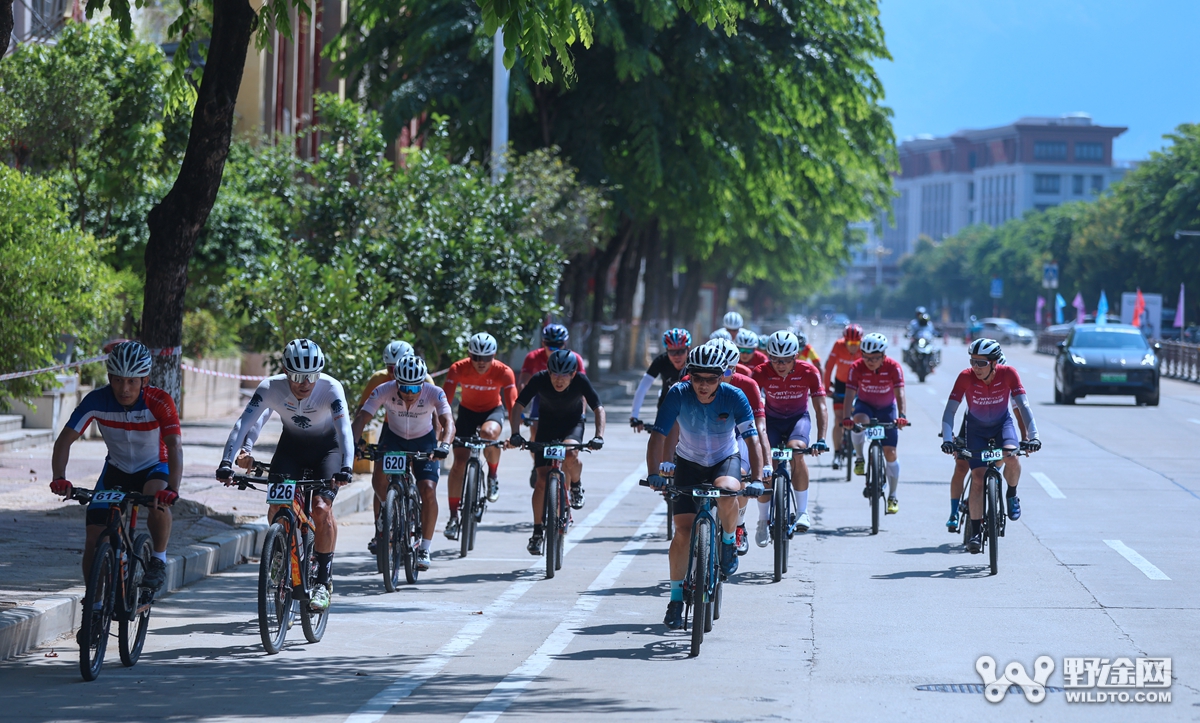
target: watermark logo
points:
(1119, 680)
(1014, 674)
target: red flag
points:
(1139, 308)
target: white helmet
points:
(783, 343)
(733, 320)
(482, 344)
(410, 369)
(729, 349)
(129, 359)
(989, 348)
(396, 351)
(874, 343)
(721, 334)
(303, 356)
(706, 359)
(746, 339)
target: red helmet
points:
(853, 332)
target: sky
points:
(960, 64)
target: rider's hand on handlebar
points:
(596, 443)
(1033, 445)
(820, 446)
(225, 473)
(657, 481)
(442, 451)
(847, 423)
(61, 486)
(901, 422)
(516, 441)
(756, 489)
(360, 449)
(343, 477)
(948, 447)
(637, 424)
(244, 460)
(165, 498)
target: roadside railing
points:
(1047, 342)
(1179, 360)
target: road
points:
(856, 627)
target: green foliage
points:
(51, 282)
(204, 335)
(558, 209)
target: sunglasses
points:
(873, 357)
(552, 344)
(782, 359)
(481, 359)
(409, 388)
(705, 379)
(303, 377)
(677, 352)
(980, 362)
(749, 350)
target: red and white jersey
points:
(876, 388)
(750, 388)
(133, 434)
(788, 396)
(987, 403)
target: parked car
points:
(1005, 331)
(1109, 359)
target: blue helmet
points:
(555, 334)
(562, 361)
(677, 338)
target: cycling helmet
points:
(562, 361)
(129, 359)
(852, 332)
(920, 311)
(555, 334)
(396, 351)
(989, 348)
(706, 359)
(746, 339)
(482, 344)
(783, 344)
(762, 341)
(677, 338)
(303, 356)
(733, 320)
(410, 369)
(874, 343)
(802, 339)
(730, 351)
(721, 334)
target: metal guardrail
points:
(1047, 342)
(1179, 360)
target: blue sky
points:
(980, 63)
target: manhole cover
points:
(976, 688)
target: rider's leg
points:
(1011, 470)
(858, 437)
(158, 521)
(961, 467)
(491, 430)
(324, 523)
(727, 508)
(455, 486)
(678, 553)
(892, 469)
(572, 465)
(976, 499)
(539, 496)
(92, 534)
(798, 440)
(429, 510)
(837, 415)
(380, 484)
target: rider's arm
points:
(174, 444)
(445, 422)
(62, 452)
(948, 419)
(822, 414)
(848, 402)
(514, 417)
(341, 424)
(508, 392)
(367, 411)
(244, 423)
(361, 420)
(1021, 402)
(599, 421)
(640, 395)
(654, 451)
(901, 403)
(593, 401)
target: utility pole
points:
(499, 107)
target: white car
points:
(1005, 331)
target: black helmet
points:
(562, 361)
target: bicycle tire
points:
(275, 608)
(96, 623)
(131, 631)
(564, 516)
(874, 472)
(789, 514)
(778, 524)
(964, 512)
(410, 511)
(670, 520)
(848, 449)
(717, 596)
(312, 622)
(701, 569)
(387, 551)
(708, 613)
(480, 505)
(993, 525)
(550, 520)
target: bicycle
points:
(702, 584)
(994, 518)
(288, 548)
(398, 526)
(846, 454)
(556, 511)
(474, 493)
(876, 481)
(114, 584)
(783, 513)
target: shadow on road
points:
(959, 571)
(946, 549)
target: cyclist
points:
(488, 390)
(762, 342)
(554, 336)
(720, 334)
(875, 389)
(732, 323)
(391, 354)
(807, 353)
(748, 353)
(787, 382)
(988, 387)
(140, 427)
(750, 388)
(711, 417)
(845, 352)
(562, 390)
(412, 405)
(668, 365)
(316, 437)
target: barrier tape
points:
(210, 372)
(19, 375)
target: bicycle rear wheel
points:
(470, 498)
(131, 631)
(275, 588)
(964, 512)
(874, 475)
(312, 621)
(97, 610)
(390, 549)
(564, 517)
(550, 505)
(701, 570)
(848, 450)
(990, 516)
(716, 603)
(779, 539)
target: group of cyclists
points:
(724, 405)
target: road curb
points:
(28, 626)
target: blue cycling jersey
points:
(707, 432)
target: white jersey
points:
(408, 422)
(319, 414)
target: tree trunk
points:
(6, 25)
(177, 220)
(689, 296)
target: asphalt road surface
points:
(1102, 564)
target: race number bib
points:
(555, 452)
(781, 455)
(395, 463)
(874, 433)
(109, 496)
(699, 492)
(281, 493)
(992, 455)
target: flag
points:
(1139, 308)
(1179, 310)
(1037, 315)
(1059, 304)
(1102, 309)
(1080, 309)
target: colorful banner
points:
(1102, 310)
(1080, 309)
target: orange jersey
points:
(840, 360)
(481, 393)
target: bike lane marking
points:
(382, 702)
(1048, 485)
(508, 690)
(1137, 560)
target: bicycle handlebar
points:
(961, 451)
(83, 496)
(477, 441)
(671, 489)
(534, 446)
(374, 452)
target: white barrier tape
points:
(19, 375)
(243, 377)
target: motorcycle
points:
(921, 356)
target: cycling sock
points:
(492, 470)
(954, 507)
(160, 556)
(727, 537)
(1012, 491)
(893, 476)
(742, 515)
(976, 526)
(426, 543)
(677, 590)
(454, 504)
(324, 566)
(857, 438)
(801, 501)
(764, 510)
(538, 529)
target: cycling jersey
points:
(536, 360)
(809, 355)
(408, 422)
(744, 370)
(559, 409)
(840, 359)
(133, 434)
(756, 359)
(481, 392)
(788, 396)
(750, 388)
(383, 376)
(322, 414)
(876, 388)
(988, 402)
(660, 367)
(706, 431)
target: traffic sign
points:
(1050, 276)
(997, 288)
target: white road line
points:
(1043, 375)
(1194, 421)
(381, 703)
(1137, 560)
(509, 689)
(1048, 485)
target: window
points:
(1050, 150)
(1046, 183)
(971, 189)
(1077, 184)
(971, 159)
(1097, 183)
(1089, 152)
(971, 217)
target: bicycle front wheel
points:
(131, 631)
(702, 567)
(779, 525)
(391, 532)
(875, 482)
(312, 621)
(470, 498)
(410, 512)
(275, 588)
(97, 610)
(550, 505)
(991, 515)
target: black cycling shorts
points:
(839, 391)
(551, 430)
(320, 457)
(689, 474)
(428, 469)
(112, 478)
(469, 421)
